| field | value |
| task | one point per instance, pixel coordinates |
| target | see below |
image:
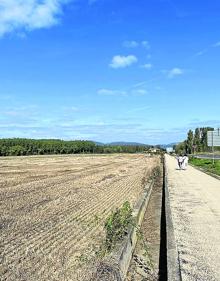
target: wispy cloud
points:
(123, 61)
(139, 84)
(20, 111)
(70, 108)
(135, 44)
(23, 15)
(217, 44)
(109, 92)
(202, 52)
(129, 92)
(139, 92)
(144, 83)
(174, 72)
(147, 66)
(206, 50)
(145, 44)
(204, 123)
(130, 44)
(138, 109)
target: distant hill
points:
(99, 143)
(167, 145)
(122, 143)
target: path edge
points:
(173, 263)
(204, 171)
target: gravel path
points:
(195, 208)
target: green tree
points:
(16, 150)
(189, 142)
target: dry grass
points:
(53, 209)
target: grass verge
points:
(206, 165)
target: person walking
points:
(185, 162)
(180, 161)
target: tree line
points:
(196, 142)
(22, 146)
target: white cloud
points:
(22, 15)
(20, 111)
(147, 66)
(202, 52)
(135, 44)
(137, 109)
(130, 44)
(139, 84)
(108, 92)
(139, 92)
(217, 44)
(175, 72)
(145, 44)
(123, 61)
(134, 92)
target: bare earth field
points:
(53, 208)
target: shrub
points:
(117, 225)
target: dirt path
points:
(195, 208)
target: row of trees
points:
(19, 146)
(196, 141)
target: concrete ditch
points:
(115, 268)
(173, 265)
(130, 243)
(169, 266)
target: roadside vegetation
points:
(117, 225)
(206, 165)
(196, 142)
(21, 146)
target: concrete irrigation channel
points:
(142, 253)
(179, 221)
(156, 258)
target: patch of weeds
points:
(145, 247)
(117, 225)
(155, 173)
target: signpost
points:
(213, 140)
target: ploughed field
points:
(53, 208)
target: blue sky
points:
(109, 70)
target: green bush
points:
(117, 225)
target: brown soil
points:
(53, 209)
